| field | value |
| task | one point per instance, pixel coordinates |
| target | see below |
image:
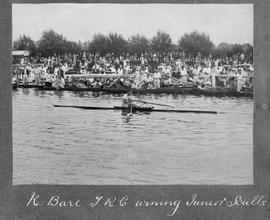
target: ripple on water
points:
(74, 146)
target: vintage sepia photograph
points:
(132, 94)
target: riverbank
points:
(185, 90)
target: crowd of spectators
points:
(144, 71)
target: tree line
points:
(192, 44)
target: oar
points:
(153, 103)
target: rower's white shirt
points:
(125, 100)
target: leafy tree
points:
(247, 49)
(85, 45)
(138, 44)
(222, 50)
(53, 43)
(98, 44)
(71, 47)
(116, 43)
(229, 50)
(196, 42)
(113, 43)
(174, 47)
(236, 49)
(162, 42)
(25, 43)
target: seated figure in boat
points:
(127, 101)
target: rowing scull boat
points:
(142, 109)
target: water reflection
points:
(58, 93)
(26, 91)
(96, 94)
(126, 117)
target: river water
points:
(75, 146)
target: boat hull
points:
(134, 109)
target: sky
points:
(231, 23)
